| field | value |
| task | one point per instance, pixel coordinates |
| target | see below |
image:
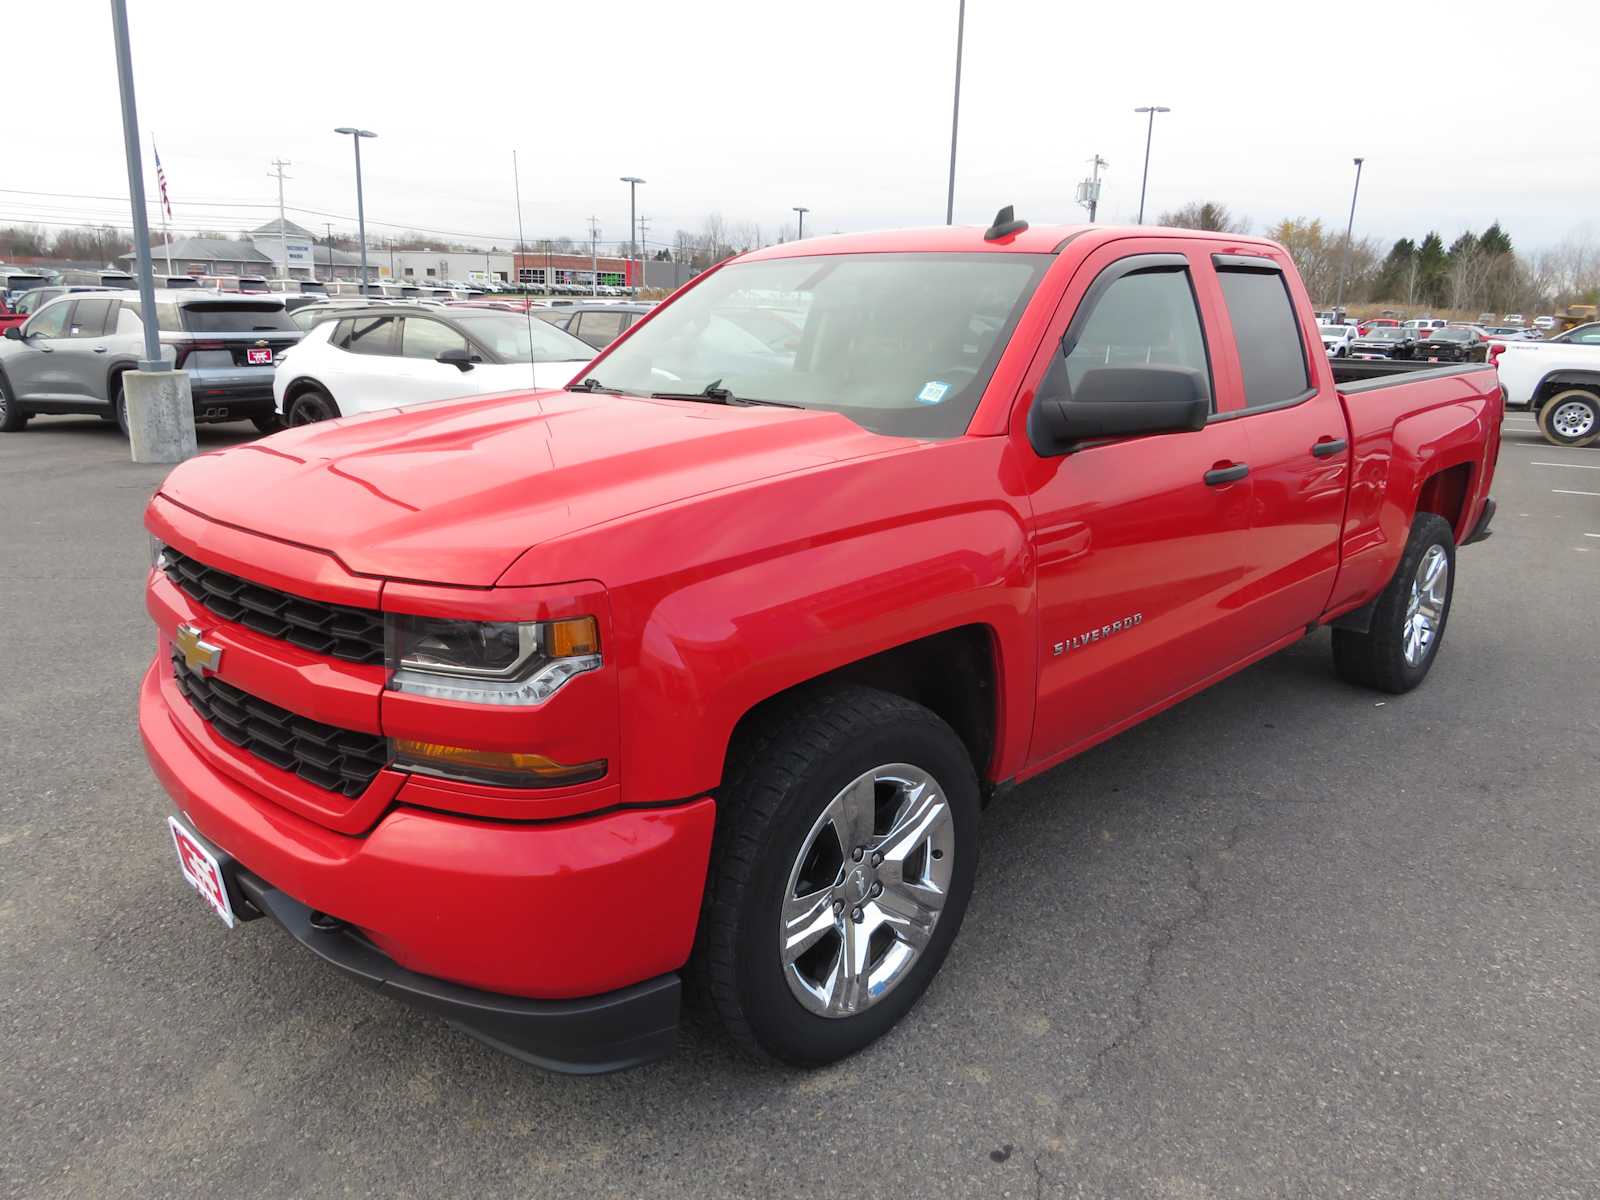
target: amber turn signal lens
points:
(573, 637)
(491, 766)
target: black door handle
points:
(1227, 474)
(1329, 448)
(99, 349)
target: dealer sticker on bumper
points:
(201, 869)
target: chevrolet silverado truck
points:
(1558, 381)
(538, 710)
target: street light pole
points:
(955, 115)
(800, 232)
(633, 182)
(1344, 259)
(141, 224)
(361, 212)
(1152, 109)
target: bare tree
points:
(1206, 214)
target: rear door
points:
(1298, 455)
(83, 357)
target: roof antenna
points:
(1005, 224)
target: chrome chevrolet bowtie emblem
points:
(199, 655)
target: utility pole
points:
(328, 228)
(644, 253)
(1089, 189)
(1344, 259)
(283, 232)
(594, 256)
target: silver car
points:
(70, 355)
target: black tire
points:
(119, 405)
(12, 418)
(311, 405)
(785, 770)
(1571, 417)
(1378, 658)
(269, 423)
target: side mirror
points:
(458, 358)
(1115, 402)
(13, 333)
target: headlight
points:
(489, 662)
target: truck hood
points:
(455, 491)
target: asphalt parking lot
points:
(1285, 940)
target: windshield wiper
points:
(591, 384)
(717, 394)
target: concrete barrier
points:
(160, 410)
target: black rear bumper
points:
(589, 1036)
(1481, 531)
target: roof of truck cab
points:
(1036, 239)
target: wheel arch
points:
(1560, 381)
(954, 673)
(1445, 493)
(114, 374)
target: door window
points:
(1144, 318)
(50, 321)
(429, 339)
(89, 318)
(369, 335)
(1267, 334)
(599, 329)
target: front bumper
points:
(588, 1036)
(530, 935)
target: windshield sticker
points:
(932, 392)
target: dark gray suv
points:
(71, 354)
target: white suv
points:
(363, 359)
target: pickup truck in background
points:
(1558, 381)
(523, 707)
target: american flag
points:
(161, 179)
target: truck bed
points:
(1367, 375)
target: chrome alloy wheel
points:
(866, 890)
(1573, 420)
(1425, 610)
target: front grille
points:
(337, 760)
(353, 634)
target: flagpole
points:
(166, 207)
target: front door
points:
(36, 370)
(1139, 543)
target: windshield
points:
(511, 337)
(1386, 335)
(903, 344)
(236, 318)
(1335, 331)
(1452, 335)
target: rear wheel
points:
(845, 854)
(12, 418)
(1571, 418)
(1408, 619)
(310, 406)
(270, 423)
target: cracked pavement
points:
(1288, 939)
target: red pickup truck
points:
(524, 708)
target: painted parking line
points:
(1574, 466)
(1567, 492)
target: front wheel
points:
(1571, 418)
(1408, 618)
(12, 418)
(845, 854)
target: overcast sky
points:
(748, 107)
